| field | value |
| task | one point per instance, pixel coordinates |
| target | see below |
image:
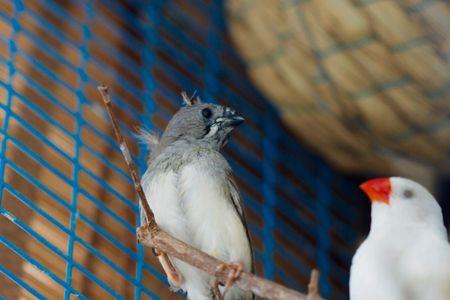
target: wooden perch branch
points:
(151, 235)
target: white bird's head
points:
(401, 201)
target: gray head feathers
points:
(194, 124)
(151, 139)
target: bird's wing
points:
(237, 203)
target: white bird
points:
(406, 255)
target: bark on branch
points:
(153, 236)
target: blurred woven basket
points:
(359, 81)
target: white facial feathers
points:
(411, 203)
(213, 130)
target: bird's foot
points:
(142, 233)
(234, 272)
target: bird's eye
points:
(408, 194)
(207, 113)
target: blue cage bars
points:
(68, 213)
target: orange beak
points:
(378, 189)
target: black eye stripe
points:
(206, 113)
(408, 194)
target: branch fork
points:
(151, 235)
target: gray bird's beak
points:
(231, 119)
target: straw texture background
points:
(361, 82)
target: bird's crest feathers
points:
(190, 100)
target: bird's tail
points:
(149, 138)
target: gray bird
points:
(191, 190)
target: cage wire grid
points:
(67, 204)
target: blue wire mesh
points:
(67, 203)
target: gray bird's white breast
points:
(193, 203)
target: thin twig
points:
(153, 236)
(313, 286)
(172, 274)
(129, 161)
